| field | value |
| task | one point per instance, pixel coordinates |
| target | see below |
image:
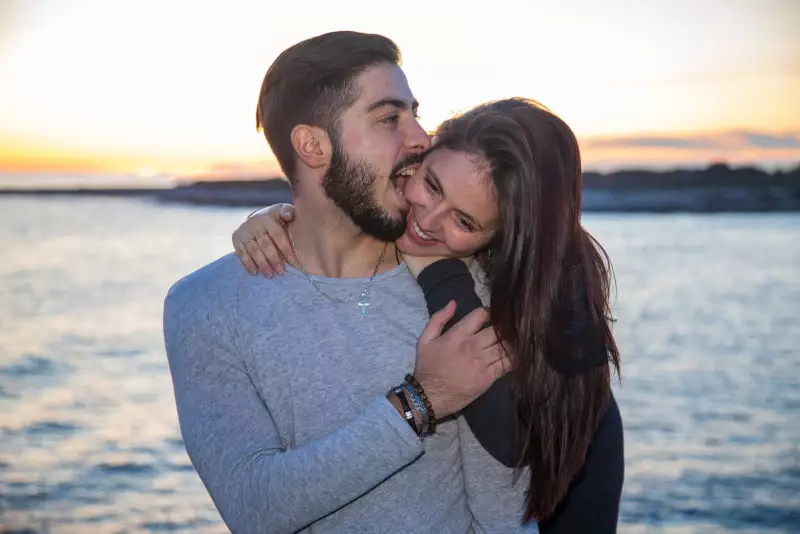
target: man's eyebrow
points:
(398, 103)
(438, 182)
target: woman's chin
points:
(407, 246)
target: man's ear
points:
(312, 145)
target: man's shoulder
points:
(213, 284)
(219, 275)
(224, 288)
(198, 310)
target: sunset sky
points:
(153, 86)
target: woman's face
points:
(453, 206)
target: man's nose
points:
(417, 139)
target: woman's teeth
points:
(419, 231)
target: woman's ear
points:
(312, 145)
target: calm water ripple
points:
(707, 310)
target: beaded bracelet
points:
(409, 415)
(420, 407)
(414, 383)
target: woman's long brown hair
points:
(541, 267)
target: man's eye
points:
(390, 120)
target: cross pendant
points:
(363, 305)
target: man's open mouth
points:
(399, 178)
(407, 167)
(405, 172)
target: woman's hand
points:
(416, 264)
(262, 243)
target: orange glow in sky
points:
(148, 86)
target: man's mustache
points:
(411, 159)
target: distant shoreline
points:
(717, 188)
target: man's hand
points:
(456, 368)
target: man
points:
(281, 384)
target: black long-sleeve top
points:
(592, 503)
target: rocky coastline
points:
(718, 188)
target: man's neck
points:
(329, 244)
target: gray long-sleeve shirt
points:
(281, 401)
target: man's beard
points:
(351, 187)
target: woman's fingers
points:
(262, 242)
(271, 253)
(244, 256)
(271, 234)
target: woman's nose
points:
(427, 220)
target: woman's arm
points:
(262, 243)
(592, 502)
(490, 416)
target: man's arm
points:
(233, 443)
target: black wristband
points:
(409, 415)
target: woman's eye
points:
(431, 185)
(465, 224)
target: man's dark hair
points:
(312, 83)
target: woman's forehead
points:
(465, 183)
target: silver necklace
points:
(360, 298)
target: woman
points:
(502, 184)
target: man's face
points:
(376, 137)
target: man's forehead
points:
(384, 84)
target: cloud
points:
(654, 142)
(762, 140)
(243, 167)
(724, 141)
(228, 170)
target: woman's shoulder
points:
(481, 282)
